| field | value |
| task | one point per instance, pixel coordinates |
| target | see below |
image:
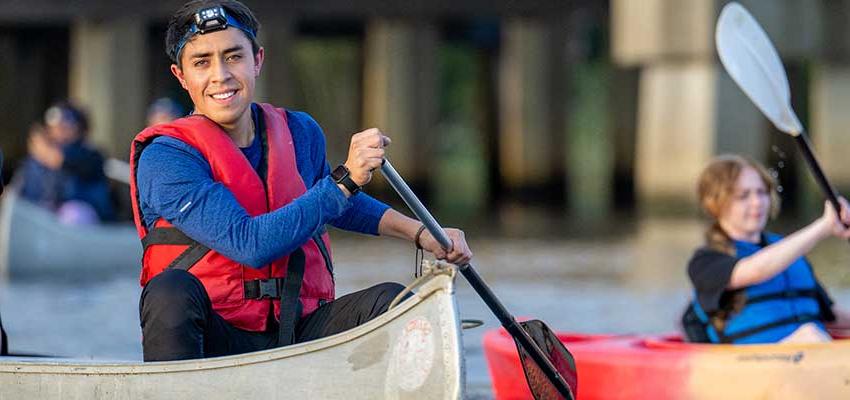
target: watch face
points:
(339, 172)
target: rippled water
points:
(634, 283)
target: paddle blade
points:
(540, 385)
(753, 63)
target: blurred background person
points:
(62, 172)
(164, 110)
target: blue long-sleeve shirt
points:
(175, 182)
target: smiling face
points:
(219, 71)
(745, 214)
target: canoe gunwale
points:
(441, 284)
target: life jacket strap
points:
(716, 336)
(259, 289)
(170, 236)
(288, 290)
(797, 319)
(290, 304)
(173, 236)
(785, 295)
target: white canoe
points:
(33, 243)
(413, 351)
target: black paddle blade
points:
(540, 385)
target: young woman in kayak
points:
(752, 286)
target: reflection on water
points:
(633, 283)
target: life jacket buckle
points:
(259, 289)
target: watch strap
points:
(342, 176)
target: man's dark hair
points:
(183, 19)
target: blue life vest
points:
(774, 308)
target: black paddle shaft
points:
(827, 189)
(507, 320)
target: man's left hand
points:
(459, 254)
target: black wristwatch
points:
(342, 176)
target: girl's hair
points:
(715, 189)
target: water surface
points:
(630, 283)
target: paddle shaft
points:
(507, 320)
(751, 60)
(827, 189)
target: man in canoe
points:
(231, 204)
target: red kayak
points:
(664, 367)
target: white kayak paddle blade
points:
(753, 63)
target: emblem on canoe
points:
(413, 356)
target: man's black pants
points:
(178, 321)
(4, 341)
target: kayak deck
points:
(664, 367)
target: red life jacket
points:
(223, 278)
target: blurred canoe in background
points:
(35, 244)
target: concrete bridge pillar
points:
(830, 126)
(830, 96)
(400, 90)
(276, 82)
(690, 110)
(108, 77)
(529, 147)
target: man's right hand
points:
(365, 154)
